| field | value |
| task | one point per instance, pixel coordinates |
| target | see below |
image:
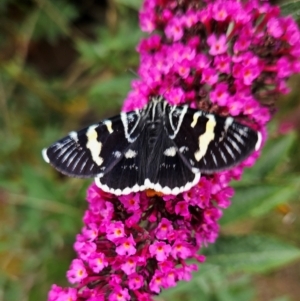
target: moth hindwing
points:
(160, 147)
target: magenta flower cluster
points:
(227, 57)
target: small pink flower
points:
(129, 265)
(183, 68)
(97, 262)
(217, 45)
(182, 209)
(176, 95)
(223, 63)
(59, 294)
(181, 249)
(126, 246)
(135, 281)
(160, 250)
(174, 29)
(220, 94)
(119, 294)
(209, 76)
(77, 271)
(131, 201)
(90, 232)
(220, 11)
(185, 273)
(163, 229)
(170, 277)
(115, 231)
(156, 282)
(275, 28)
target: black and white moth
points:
(161, 147)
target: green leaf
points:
(254, 200)
(54, 20)
(253, 253)
(135, 4)
(273, 154)
(117, 87)
(211, 283)
(291, 8)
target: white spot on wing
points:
(195, 118)
(259, 140)
(108, 124)
(228, 123)
(44, 154)
(170, 152)
(183, 149)
(117, 154)
(206, 137)
(130, 154)
(74, 136)
(93, 144)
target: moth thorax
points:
(153, 128)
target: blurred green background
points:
(63, 65)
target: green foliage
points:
(263, 186)
(291, 8)
(64, 65)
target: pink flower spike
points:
(77, 271)
(217, 45)
(127, 246)
(160, 250)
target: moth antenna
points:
(133, 72)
